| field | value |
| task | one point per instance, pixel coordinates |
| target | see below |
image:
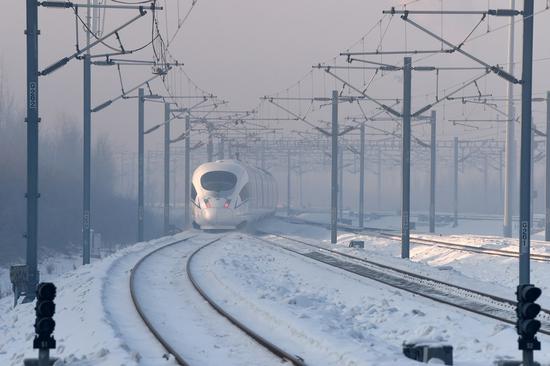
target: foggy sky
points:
(238, 50)
(241, 50)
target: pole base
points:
(34, 361)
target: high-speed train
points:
(228, 194)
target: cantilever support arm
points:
(299, 118)
(445, 97)
(176, 116)
(53, 67)
(122, 96)
(503, 74)
(382, 105)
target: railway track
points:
(157, 333)
(133, 292)
(390, 234)
(460, 297)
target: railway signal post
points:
(525, 174)
(44, 324)
(527, 326)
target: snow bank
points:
(84, 331)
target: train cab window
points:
(193, 192)
(244, 195)
(218, 181)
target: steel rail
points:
(496, 299)
(179, 359)
(285, 356)
(470, 248)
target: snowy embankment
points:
(85, 330)
(330, 317)
(494, 274)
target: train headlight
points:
(227, 203)
(207, 203)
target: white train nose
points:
(211, 215)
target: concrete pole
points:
(532, 194)
(341, 183)
(166, 220)
(379, 177)
(32, 120)
(433, 148)
(221, 148)
(362, 177)
(210, 144)
(485, 182)
(547, 221)
(262, 155)
(525, 168)
(288, 184)
(187, 196)
(334, 171)
(455, 182)
(174, 177)
(500, 178)
(406, 159)
(509, 186)
(300, 176)
(141, 151)
(87, 148)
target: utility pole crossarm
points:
(69, 4)
(493, 12)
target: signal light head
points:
(45, 308)
(528, 293)
(46, 291)
(529, 327)
(529, 310)
(44, 326)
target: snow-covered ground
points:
(51, 266)
(330, 317)
(494, 274)
(320, 313)
(84, 331)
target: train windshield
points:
(218, 181)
